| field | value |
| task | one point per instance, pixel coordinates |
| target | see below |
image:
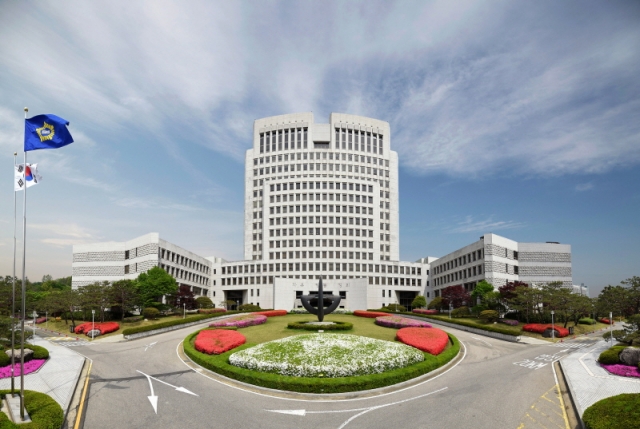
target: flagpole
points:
(13, 288)
(24, 286)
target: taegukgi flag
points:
(28, 176)
(46, 132)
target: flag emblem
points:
(46, 132)
(27, 174)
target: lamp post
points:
(34, 314)
(552, 330)
(237, 305)
(46, 316)
(611, 325)
(450, 308)
(93, 323)
(184, 310)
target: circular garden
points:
(282, 353)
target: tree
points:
(482, 288)
(419, 302)
(613, 299)
(633, 292)
(508, 291)
(455, 295)
(153, 285)
(204, 302)
(184, 298)
(435, 304)
(124, 294)
(96, 296)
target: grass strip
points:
(220, 364)
(513, 331)
(162, 325)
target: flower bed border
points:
(386, 322)
(339, 326)
(219, 364)
(370, 314)
(271, 313)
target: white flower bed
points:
(326, 355)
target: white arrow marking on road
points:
(148, 346)
(154, 399)
(362, 410)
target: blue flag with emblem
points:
(46, 132)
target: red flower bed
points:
(539, 328)
(424, 311)
(272, 313)
(218, 341)
(369, 314)
(605, 320)
(430, 340)
(103, 328)
(40, 320)
(211, 310)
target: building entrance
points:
(406, 298)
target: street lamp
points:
(184, 310)
(93, 324)
(552, 330)
(237, 305)
(611, 325)
(34, 314)
(46, 316)
(450, 308)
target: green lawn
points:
(276, 328)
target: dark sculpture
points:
(315, 303)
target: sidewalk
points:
(57, 378)
(588, 382)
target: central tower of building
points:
(321, 198)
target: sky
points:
(517, 118)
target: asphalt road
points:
(496, 385)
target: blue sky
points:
(518, 118)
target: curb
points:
(566, 389)
(74, 416)
(274, 393)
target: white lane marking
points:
(149, 346)
(322, 400)
(361, 410)
(480, 339)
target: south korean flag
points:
(28, 176)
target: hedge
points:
(338, 326)
(615, 412)
(490, 328)
(220, 364)
(45, 412)
(611, 356)
(162, 325)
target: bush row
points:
(611, 356)
(430, 340)
(43, 410)
(540, 328)
(615, 412)
(167, 324)
(470, 324)
(220, 365)
(38, 353)
(217, 341)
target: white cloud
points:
(584, 187)
(486, 226)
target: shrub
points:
(508, 322)
(460, 311)
(43, 410)
(150, 313)
(162, 325)
(4, 359)
(218, 341)
(430, 340)
(337, 326)
(272, 313)
(618, 334)
(396, 308)
(539, 328)
(423, 311)
(605, 320)
(419, 301)
(369, 314)
(491, 328)
(40, 320)
(489, 316)
(204, 302)
(211, 310)
(611, 356)
(435, 303)
(616, 412)
(103, 328)
(249, 307)
(241, 321)
(400, 322)
(586, 321)
(38, 352)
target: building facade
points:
(499, 261)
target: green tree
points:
(419, 302)
(153, 285)
(96, 296)
(435, 304)
(480, 291)
(124, 295)
(613, 299)
(633, 293)
(204, 302)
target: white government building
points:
(323, 200)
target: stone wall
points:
(538, 271)
(98, 256)
(98, 271)
(544, 257)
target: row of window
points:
(170, 256)
(260, 182)
(358, 140)
(458, 275)
(181, 274)
(272, 141)
(324, 208)
(325, 243)
(267, 280)
(345, 168)
(276, 187)
(377, 268)
(321, 231)
(460, 261)
(337, 220)
(324, 155)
